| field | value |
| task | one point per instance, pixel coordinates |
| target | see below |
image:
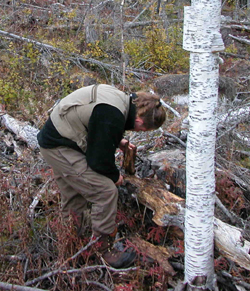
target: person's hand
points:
(120, 181)
(130, 145)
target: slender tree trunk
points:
(122, 45)
(203, 40)
(236, 10)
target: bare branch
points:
(146, 8)
(234, 117)
(233, 55)
(170, 108)
(98, 284)
(6, 286)
(168, 134)
(12, 35)
(37, 198)
(75, 271)
(239, 39)
(237, 27)
(230, 215)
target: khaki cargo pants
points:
(78, 185)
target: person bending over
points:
(79, 141)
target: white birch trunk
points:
(203, 40)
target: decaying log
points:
(158, 253)
(231, 244)
(22, 130)
(168, 209)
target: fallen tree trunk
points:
(168, 209)
(23, 131)
(231, 244)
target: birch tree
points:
(202, 38)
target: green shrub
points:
(155, 53)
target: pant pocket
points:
(76, 161)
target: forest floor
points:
(40, 250)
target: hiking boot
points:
(112, 256)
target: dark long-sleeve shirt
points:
(105, 131)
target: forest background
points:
(50, 48)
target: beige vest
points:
(71, 116)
